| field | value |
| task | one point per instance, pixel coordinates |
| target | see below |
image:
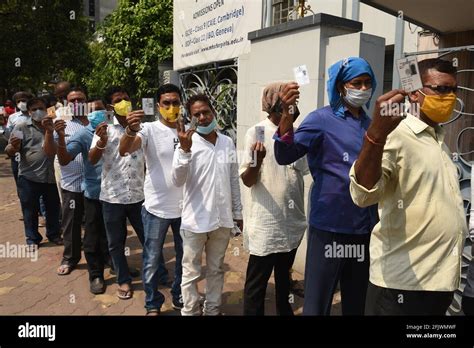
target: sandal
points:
(64, 270)
(124, 294)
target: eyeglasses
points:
(442, 89)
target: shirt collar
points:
(417, 126)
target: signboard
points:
(212, 30)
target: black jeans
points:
(385, 301)
(72, 213)
(95, 239)
(259, 270)
(468, 305)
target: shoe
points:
(97, 286)
(177, 304)
(41, 221)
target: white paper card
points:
(409, 74)
(260, 134)
(148, 106)
(109, 117)
(301, 75)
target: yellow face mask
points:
(171, 114)
(438, 107)
(123, 107)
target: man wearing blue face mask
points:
(205, 165)
(35, 174)
(95, 241)
(72, 176)
(339, 231)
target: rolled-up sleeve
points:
(364, 197)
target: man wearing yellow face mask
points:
(121, 191)
(405, 167)
(163, 201)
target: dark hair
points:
(198, 98)
(111, 91)
(50, 99)
(35, 100)
(21, 95)
(95, 98)
(444, 66)
(167, 88)
(77, 89)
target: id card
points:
(148, 106)
(260, 134)
(109, 117)
(301, 75)
(409, 74)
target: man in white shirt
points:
(274, 215)
(211, 203)
(121, 191)
(163, 200)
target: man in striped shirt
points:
(72, 176)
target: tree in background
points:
(41, 41)
(130, 44)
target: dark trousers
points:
(95, 239)
(325, 267)
(385, 301)
(468, 305)
(115, 220)
(259, 270)
(30, 193)
(72, 213)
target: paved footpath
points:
(30, 285)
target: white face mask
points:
(38, 115)
(357, 97)
(22, 106)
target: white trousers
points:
(215, 243)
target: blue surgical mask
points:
(96, 118)
(357, 97)
(207, 129)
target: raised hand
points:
(59, 127)
(185, 137)
(101, 132)
(386, 118)
(288, 97)
(259, 152)
(134, 119)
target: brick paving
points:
(29, 287)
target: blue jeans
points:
(115, 221)
(155, 233)
(30, 193)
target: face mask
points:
(38, 115)
(171, 114)
(438, 107)
(123, 108)
(357, 97)
(96, 117)
(22, 106)
(207, 129)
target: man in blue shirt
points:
(339, 232)
(95, 241)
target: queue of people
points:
(386, 219)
